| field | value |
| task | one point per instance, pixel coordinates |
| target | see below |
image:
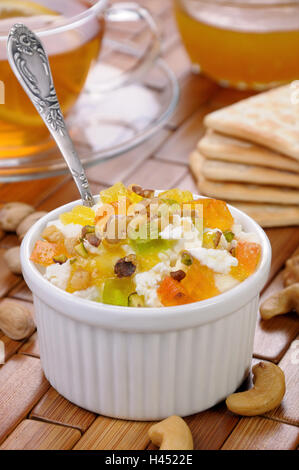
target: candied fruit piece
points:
(44, 252)
(211, 239)
(151, 247)
(216, 214)
(101, 266)
(113, 193)
(117, 191)
(147, 262)
(248, 255)
(79, 215)
(117, 291)
(177, 195)
(172, 293)
(199, 282)
(133, 197)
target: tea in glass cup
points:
(242, 43)
(72, 47)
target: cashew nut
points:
(267, 393)
(27, 223)
(171, 434)
(12, 214)
(12, 258)
(16, 321)
(291, 272)
(283, 301)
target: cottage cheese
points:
(225, 282)
(220, 261)
(92, 293)
(90, 248)
(183, 230)
(172, 232)
(148, 282)
(244, 236)
(59, 274)
(248, 237)
(69, 230)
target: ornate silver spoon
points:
(30, 64)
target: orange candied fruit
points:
(199, 282)
(248, 255)
(216, 214)
(44, 252)
(172, 293)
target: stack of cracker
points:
(249, 156)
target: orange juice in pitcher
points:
(242, 43)
(72, 47)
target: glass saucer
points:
(105, 125)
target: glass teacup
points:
(242, 43)
(72, 33)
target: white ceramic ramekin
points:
(145, 363)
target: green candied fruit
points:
(229, 236)
(186, 258)
(151, 247)
(87, 229)
(117, 291)
(135, 300)
(60, 259)
(81, 250)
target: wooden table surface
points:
(32, 414)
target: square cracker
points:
(270, 215)
(237, 172)
(268, 119)
(222, 147)
(241, 192)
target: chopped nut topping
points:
(87, 229)
(217, 238)
(229, 236)
(186, 258)
(178, 275)
(60, 259)
(93, 239)
(147, 193)
(126, 266)
(233, 251)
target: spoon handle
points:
(30, 64)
